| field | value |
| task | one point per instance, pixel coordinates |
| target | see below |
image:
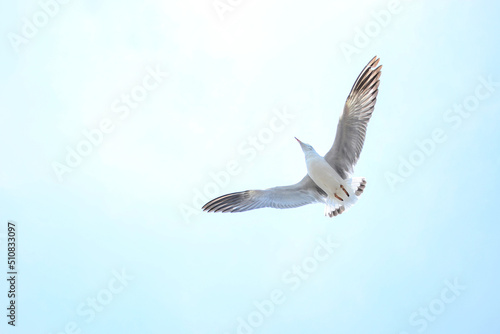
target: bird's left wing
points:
(299, 194)
(351, 129)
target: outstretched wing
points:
(351, 129)
(299, 194)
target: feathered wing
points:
(299, 194)
(351, 129)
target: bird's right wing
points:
(351, 129)
(299, 194)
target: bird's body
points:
(325, 176)
(328, 178)
(320, 171)
(339, 194)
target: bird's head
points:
(305, 147)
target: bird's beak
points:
(298, 140)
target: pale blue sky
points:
(206, 86)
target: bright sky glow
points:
(117, 243)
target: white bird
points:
(328, 178)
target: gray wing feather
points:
(351, 129)
(284, 197)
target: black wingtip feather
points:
(226, 203)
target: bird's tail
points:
(335, 207)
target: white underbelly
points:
(324, 176)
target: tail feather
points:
(358, 183)
(334, 207)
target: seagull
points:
(328, 178)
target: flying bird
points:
(328, 178)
